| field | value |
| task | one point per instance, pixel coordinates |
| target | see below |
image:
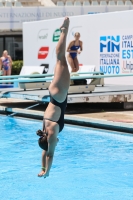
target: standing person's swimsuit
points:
(62, 106)
(5, 64)
(74, 48)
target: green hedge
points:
(16, 67)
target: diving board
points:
(37, 72)
(107, 94)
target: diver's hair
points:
(77, 33)
(43, 144)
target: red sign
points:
(43, 52)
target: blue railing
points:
(31, 80)
(43, 75)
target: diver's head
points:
(43, 144)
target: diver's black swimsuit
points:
(62, 106)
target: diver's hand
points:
(41, 173)
(46, 174)
(40, 133)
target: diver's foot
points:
(41, 173)
(65, 24)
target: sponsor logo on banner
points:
(127, 53)
(56, 35)
(116, 52)
(42, 34)
(43, 52)
(46, 68)
(127, 67)
(109, 59)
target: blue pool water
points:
(89, 164)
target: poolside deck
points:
(103, 108)
(107, 116)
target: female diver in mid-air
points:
(53, 121)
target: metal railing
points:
(43, 75)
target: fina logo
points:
(110, 43)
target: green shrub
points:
(16, 67)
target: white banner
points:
(107, 43)
(12, 18)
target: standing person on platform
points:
(53, 121)
(6, 62)
(75, 47)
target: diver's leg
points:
(60, 84)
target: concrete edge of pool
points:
(75, 120)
